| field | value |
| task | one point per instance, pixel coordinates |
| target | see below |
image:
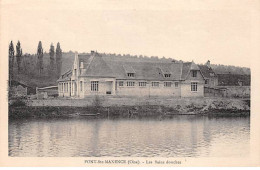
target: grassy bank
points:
(18, 112)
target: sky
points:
(219, 34)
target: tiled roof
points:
(66, 76)
(206, 71)
(145, 70)
(85, 59)
(194, 66)
(128, 69)
(185, 70)
(97, 66)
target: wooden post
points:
(108, 113)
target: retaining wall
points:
(171, 102)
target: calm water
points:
(180, 136)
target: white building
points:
(93, 75)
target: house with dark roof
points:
(224, 84)
(92, 74)
(211, 78)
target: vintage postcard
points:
(130, 83)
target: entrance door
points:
(109, 87)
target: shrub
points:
(18, 102)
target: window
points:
(167, 84)
(94, 85)
(74, 71)
(130, 74)
(142, 84)
(176, 84)
(167, 75)
(121, 83)
(130, 83)
(194, 73)
(62, 86)
(81, 86)
(194, 86)
(155, 84)
(207, 81)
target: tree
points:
(11, 61)
(19, 54)
(40, 58)
(58, 59)
(52, 60)
(25, 64)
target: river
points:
(179, 136)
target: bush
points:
(18, 103)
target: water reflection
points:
(180, 136)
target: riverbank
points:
(220, 107)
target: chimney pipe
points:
(208, 63)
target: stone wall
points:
(228, 91)
(236, 91)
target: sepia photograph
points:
(124, 84)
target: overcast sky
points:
(221, 36)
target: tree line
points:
(35, 65)
(229, 69)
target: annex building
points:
(92, 75)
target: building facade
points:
(92, 75)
